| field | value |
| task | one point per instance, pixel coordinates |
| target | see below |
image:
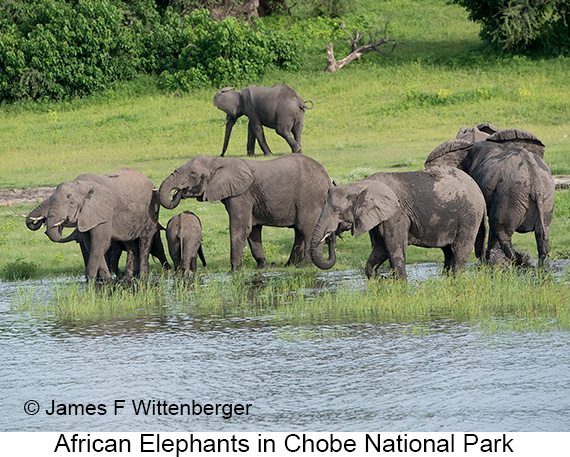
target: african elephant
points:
(278, 107)
(288, 191)
(517, 184)
(119, 207)
(38, 216)
(439, 208)
(184, 237)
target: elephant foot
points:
(261, 264)
(268, 153)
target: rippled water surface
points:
(369, 377)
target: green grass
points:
(377, 114)
(309, 305)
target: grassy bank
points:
(377, 114)
(493, 300)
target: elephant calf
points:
(439, 208)
(184, 237)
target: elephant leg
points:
(378, 255)
(396, 242)
(298, 249)
(297, 130)
(144, 244)
(97, 263)
(132, 266)
(250, 140)
(256, 246)
(286, 133)
(240, 229)
(157, 250)
(257, 130)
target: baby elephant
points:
(184, 236)
(439, 208)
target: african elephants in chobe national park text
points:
(184, 237)
(288, 191)
(440, 208)
(278, 107)
(509, 168)
(118, 207)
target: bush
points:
(225, 52)
(522, 25)
(20, 269)
(56, 49)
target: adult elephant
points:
(278, 107)
(509, 168)
(439, 208)
(288, 191)
(118, 207)
(37, 219)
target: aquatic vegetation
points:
(489, 299)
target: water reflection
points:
(376, 376)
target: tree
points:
(522, 25)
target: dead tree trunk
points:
(374, 44)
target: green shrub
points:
(20, 269)
(229, 51)
(522, 25)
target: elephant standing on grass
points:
(288, 191)
(38, 216)
(278, 107)
(184, 237)
(509, 168)
(119, 207)
(439, 208)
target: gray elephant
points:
(288, 191)
(439, 208)
(184, 237)
(517, 184)
(37, 219)
(120, 207)
(278, 107)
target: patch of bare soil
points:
(10, 197)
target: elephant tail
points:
(201, 254)
(481, 237)
(305, 106)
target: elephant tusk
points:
(57, 224)
(325, 237)
(38, 218)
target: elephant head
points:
(359, 207)
(207, 179)
(454, 153)
(78, 203)
(228, 100)
(37, 217)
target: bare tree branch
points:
(376, 41)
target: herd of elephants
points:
(484, 184)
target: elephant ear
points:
(231, 177)
(375, 204)
(487, 128)
(452, 153)
(98, 206)
(521, 137)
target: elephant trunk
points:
(319, 236)
(167, 186)
(54, 232)
(37, 217)
(230, 121)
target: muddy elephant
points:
(37, 219)
(118, 207)
(509, 168)
(278, 107)
(288, 191)
(439, 208)
(184, 238)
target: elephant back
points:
(443, 154)
(521, 137)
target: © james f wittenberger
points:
(142, 408)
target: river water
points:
(370, 377)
